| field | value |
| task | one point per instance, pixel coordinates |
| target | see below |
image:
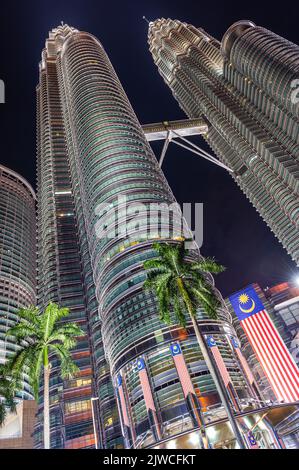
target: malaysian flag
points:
(273, 355)
(223, 371)
(182, 370)
(219, 361)
(122, 400)
(145, 385)
(148, 397)
(252, 442)
(242, 360)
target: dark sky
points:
(233, 231)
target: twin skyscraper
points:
(91, 149)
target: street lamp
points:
(94, 421)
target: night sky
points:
(234, 233)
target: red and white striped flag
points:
(145, 385)
(219, 361)
(182, 370)
(148, 396)
(252, 442)
(122, 400)
(243, 361)
(273, 355)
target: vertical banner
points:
(148, 397)
(219, 361)
(242, 360)
(122, 401)
(223, 370)
(246, 368)
(273, 355)
(127, 430)
(182, 370)
(252, 442)
(192, 402)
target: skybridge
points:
(178, 132)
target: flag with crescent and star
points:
(242, 360)
(182, 369)
(145, 385)
(219, 360)
(270, 349)
(246, 303)
(252, 442)
(122, 400)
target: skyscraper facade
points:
(65, 276)
(245, 88)
(94, 162)
(17, 258)
(284, 299)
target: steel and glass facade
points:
(244, 88)
(17, 259)
(65, 276)
(93, 151)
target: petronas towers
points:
(93, 159)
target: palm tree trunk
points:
(46, 403)
(219, 385)
(213, 370)
(185, 297)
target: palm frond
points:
(208, 301)
(180, 282)
(35, 371)
(68, 342)
(67, 365)
(208, 265)
(21, 331)
(179, 311)
(18, 361)
(3, 412)
(68, 329)
(163, 303)
(155, 264)
(48, 319)
(30, 314)
(8, 389)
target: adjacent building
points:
(94, 162)
(17, 258)
(17, 429)
(245, 88)
(17, 290)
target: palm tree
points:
(181, 285)
(42, 336)
(8, 386)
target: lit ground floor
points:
(272, 427)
